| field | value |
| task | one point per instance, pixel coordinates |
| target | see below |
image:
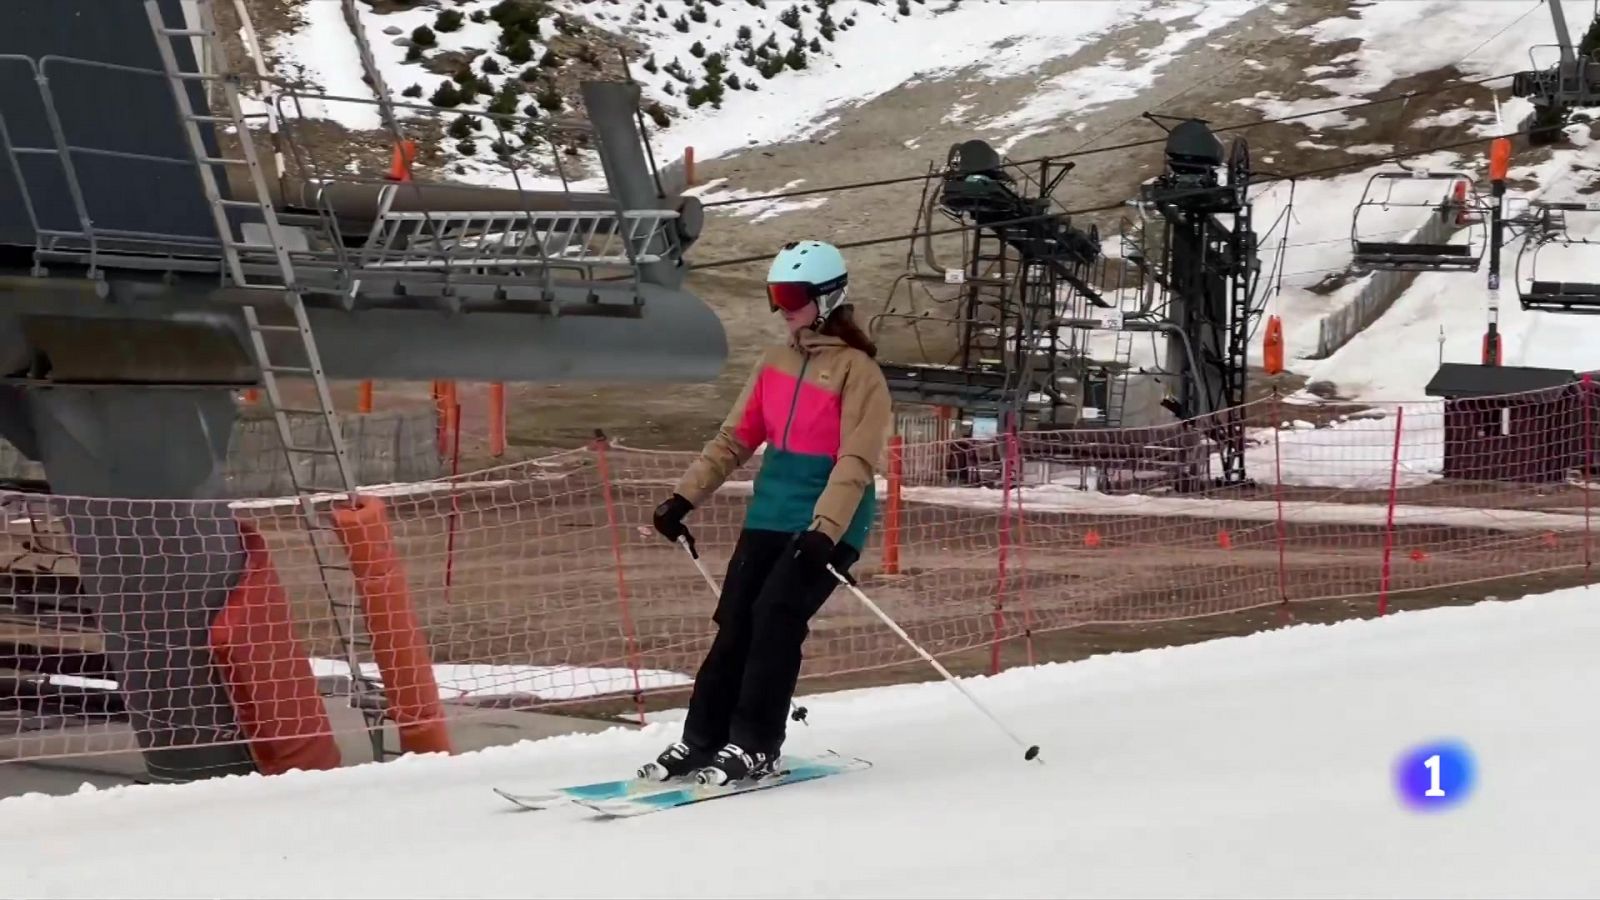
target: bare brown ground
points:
(544, 589)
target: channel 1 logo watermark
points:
(1435, 776)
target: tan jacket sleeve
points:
(866, 418)
(735, 442)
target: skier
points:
(821, 405)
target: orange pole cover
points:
(268, 677)
(364, 401)
(1499, 158)
(398, 643)
(405, 153)
(1272, 350)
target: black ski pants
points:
(744, 685)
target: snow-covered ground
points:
(1255, 766)
(1402, 38)
(787, 70)
(1395, 358)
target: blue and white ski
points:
(599, 790)
(794, 770)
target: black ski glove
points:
(813, 549)
(669, 521)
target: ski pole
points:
(1031, 752)
(798, 713)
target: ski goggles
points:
(792, 296)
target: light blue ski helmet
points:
(808, 270)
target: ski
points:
(599, 790)
(794, 771)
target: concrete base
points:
(124, 765)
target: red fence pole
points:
(891, 512)
(622, 581)
(1022, 543)
(1388, 534)
(1005, 543)
(1283, 534)
(455, 511)
(1588, 458)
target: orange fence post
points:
(398, 644)
(891, 510)
(364, 399)
(448, 410)
(266, 671)
(688, 167)
(497, 419)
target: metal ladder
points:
(364, 694)
(1117, 389)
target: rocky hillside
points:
(523, 60)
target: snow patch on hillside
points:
(1402, 38)
(721, 75)
(1085, 89)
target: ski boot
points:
(733, 763)
(679, 760)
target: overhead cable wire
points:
(1113, 148)
(1364, 162)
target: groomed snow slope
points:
(1244, 767)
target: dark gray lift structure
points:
(147, 274)
(1555, 88)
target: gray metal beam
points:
(153, 331)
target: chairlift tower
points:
(1027, 270)
(152, 265)
(1557, 85)
(1205, 266)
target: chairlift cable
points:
(1364, 162)
(1130, 145)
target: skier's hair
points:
(841, 323)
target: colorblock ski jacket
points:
(822, 408)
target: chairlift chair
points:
(1537, 293)
(1458, 207)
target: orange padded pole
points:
(268, 676)
(398, 644)
(497, 419)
